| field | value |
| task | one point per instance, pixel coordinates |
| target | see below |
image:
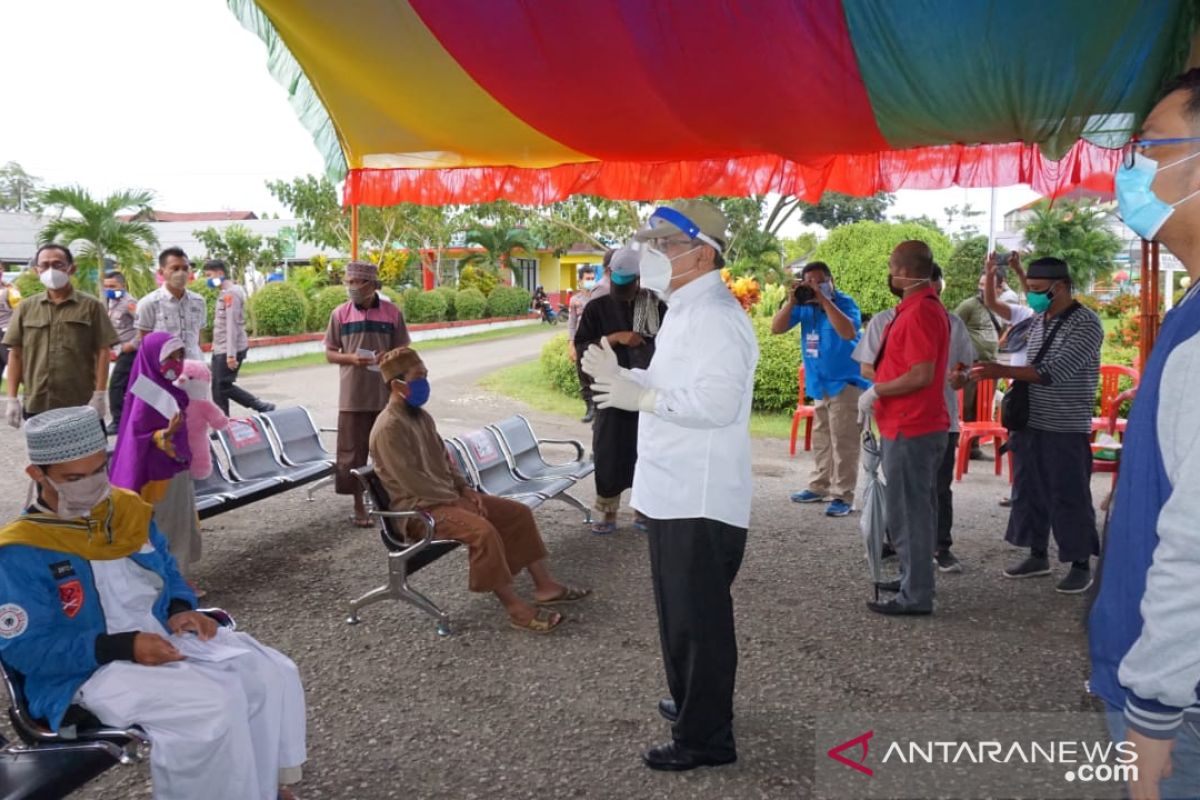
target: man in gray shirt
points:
(230, 342)
(173, 307)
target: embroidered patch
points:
(62, 569)
(13, 621)
(71, 596)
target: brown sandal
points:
(361, 522)
(543, 622)
(569, 595)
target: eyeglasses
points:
(1140, 145)
(60, 265)
(676, 243)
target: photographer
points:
(829, 323)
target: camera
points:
(803, 294)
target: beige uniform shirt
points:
(229, 321)
(59, 345)
(183, 317)
(122, 313)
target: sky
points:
(174, 96)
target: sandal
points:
(361, 522)
(639, 522)
(604, 528)
(569, 595)
(543, 622)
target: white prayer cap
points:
(168, 347)
(64, 434)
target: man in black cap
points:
(1052, 456)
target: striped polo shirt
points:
(1065, 400)
(377, 327)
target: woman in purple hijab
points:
(152, 455)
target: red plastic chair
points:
(1113, 424)
(986, 426)
(1110, 390)
(803, 412)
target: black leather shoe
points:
(668, 710)
(590, 414)
(893, 609)
(674, 757)
(264, 407)
(888, 586)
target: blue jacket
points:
(833, 366)
(1145, 625)
(52, 626)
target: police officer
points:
(122, 313)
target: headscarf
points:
(137, 460)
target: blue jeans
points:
(1184, 783)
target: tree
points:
(95, 231)
(963, 268)
(314, 203)
(968, 212)
(1077, 232)
(19, 191)
(498, 245)
(858, 253)
(835, 209)
(799, 247)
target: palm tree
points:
(498, 244)
(96, 230)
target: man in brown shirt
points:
(501, 535)
(360, 330)
(58, 344)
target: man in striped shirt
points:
(1052, 457)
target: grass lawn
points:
(313, 359)
(525, 382)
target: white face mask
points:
(54, 278)
(78, 498)
(656, 269)
(177, 280)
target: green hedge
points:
(775, 386)
(449, 293)
(324, 301)
(470, 304)
(422, 306)
(557, 367)
(508, 301)
(28, 284)
(393, 295)
(278, 309)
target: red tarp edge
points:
(979, 166)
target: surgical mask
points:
(78, 498)
(589, 285)
(656, 269)
(215, 283)
(358, 295)
(177, 280)
(54, 278)
(114, 294)
(1040, 301)
(826, 289)
(172, 368)
(418, 392)
(1141, 209)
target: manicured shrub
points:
(1122, 305)
(557, 367)
(449, 293)
(393, 295)
(470, 304)
(322, 305)
(481, 278)
(422, 306)
(278, 309)
(508, 301)
(775, 387)
(28, 284)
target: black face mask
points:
(892, 288)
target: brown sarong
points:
(353, 437)
(499, 546)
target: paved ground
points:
(395, 711)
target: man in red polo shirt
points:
(908, 404)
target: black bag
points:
(1014, 408)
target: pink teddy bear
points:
(202, 414)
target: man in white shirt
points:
(693, 482)
(173, 307)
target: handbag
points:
(1014, 407)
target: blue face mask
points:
(418, 392)
(1141, 208)
(113, 294)
(215, 283)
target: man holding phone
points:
(829, 329)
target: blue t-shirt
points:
(829, 363)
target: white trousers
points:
(232, 729)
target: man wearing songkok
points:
(94, 612)
(360, 330)
(501, 535)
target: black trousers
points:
(585, 381)
(945, 495)
(693, 563)
(223, 387)
(1052, 490)
(118, 382)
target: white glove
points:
(13, 413)
(600, 362)
(621, 392)
(99, 402)
(866, 406)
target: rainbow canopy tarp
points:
(468, 101)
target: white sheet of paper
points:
(219, 648)
(158, 398)
(364, 353)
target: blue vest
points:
(1143, 489)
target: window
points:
(525, 271)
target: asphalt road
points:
(395, 711)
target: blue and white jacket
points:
(1145, 625)
(52, 623)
